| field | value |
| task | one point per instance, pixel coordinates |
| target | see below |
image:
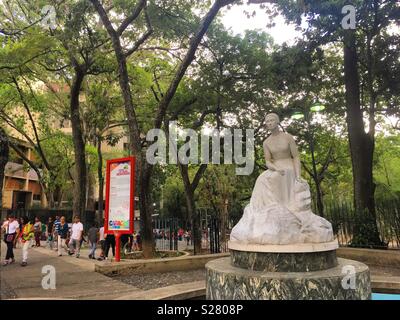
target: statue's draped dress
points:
(279, 211)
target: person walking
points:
(38, 231)
(110, 242)
(187, 237)
(56, 226)
(76, 237)
(93, 236)
(135, 242)
(50, 233)
(102, 244)
(62, 234)
(18, 240)
(43, 234)
(27, 234)
(11, 234)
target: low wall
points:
(156, 265)
(371, 257)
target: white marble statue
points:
(279, 211)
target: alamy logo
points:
(349, 20)
(237, 148)
(49, 279)
(349, 280)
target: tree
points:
(80, 41)
(4, 152)
(26, 113)
(68, 53)
(144, 169)
(374, 18)
(101, 114)
(387, 166)
(227, 76)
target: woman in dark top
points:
(93, 237)
(62, 235)
(110, 242)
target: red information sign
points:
(120, 177)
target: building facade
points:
(21, 188)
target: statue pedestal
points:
(286, 272)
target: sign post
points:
(120, 177)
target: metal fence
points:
(166, 233)
(211, 237)
(344, 220)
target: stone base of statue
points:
(286, 272)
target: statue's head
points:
(271, 121)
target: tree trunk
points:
(79, 146)
(60, 198)
(194, 217)
(4, 153)
(143, 170)
(146, 207)
(101, 181)
(190, 188)
(361, 149)
(224, 223)
(91, 191)
(320, 203)
(50, 199)
(315, 175)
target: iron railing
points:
(345, 220)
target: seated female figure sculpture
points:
(279, 211)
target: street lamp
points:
(297, 115)
(317, 107)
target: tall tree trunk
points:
(315, 176)
(224, 222)
(361, 149)
(79, 201)
(134, 136)
(4, 153)
(50, 199)
(320, 202)
(101, 181)
(91, 191)
(191, 208)
(146, 207)
(194, 217)
(60, 198)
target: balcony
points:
(17, 170)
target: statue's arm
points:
(296, 157)
(268, 157)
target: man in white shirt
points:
(76, 237)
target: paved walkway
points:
(75, 278)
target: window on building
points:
(37, 197)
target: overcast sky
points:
(237, 21)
